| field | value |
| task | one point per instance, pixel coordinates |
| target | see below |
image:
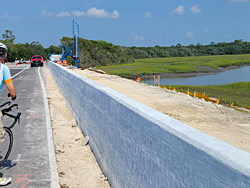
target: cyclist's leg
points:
(2, 130)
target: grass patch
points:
(237, 93)
(176, 65)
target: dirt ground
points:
(222, 122)
(76, 164)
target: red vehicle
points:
(36, 60)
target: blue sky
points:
(128, 22)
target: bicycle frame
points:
(8, 131)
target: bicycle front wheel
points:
(6, 146)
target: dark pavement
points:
(31, 162)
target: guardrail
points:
(137, 146)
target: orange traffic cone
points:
(64, 63)
(138, 79)
(59, 62)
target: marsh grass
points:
(176, 65)
(237, 93)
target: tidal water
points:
(241, 74)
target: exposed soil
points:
(76, 164)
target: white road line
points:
(19, 72)
(52, 156)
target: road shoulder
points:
(77, 166)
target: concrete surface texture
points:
(137, 146)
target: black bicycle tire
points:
(10, 134)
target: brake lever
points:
(19, 115)
(13, 106)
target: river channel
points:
(241, 74)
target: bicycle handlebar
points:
(17, 118)
(9, 109)
(5, 104)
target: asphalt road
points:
(31, 162)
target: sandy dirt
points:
(76, 164)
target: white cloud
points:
(6, 15)
(189, 34)
(115, 14)
(101, 13)
(139, 38)
(179, 10)
(92, 12)
(238, 0)
(195, 9)
(63, 14)
(78, 13)
(148, 14)
(46, 14)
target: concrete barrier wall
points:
(139, 147)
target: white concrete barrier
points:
(139, 147)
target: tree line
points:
(98, 52)
(94, 53)
(221, 48)
(27, 50)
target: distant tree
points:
(238, 42)
(54, 49)
(212, 44)
(9, 36)
(178, 45)
(191, 46)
